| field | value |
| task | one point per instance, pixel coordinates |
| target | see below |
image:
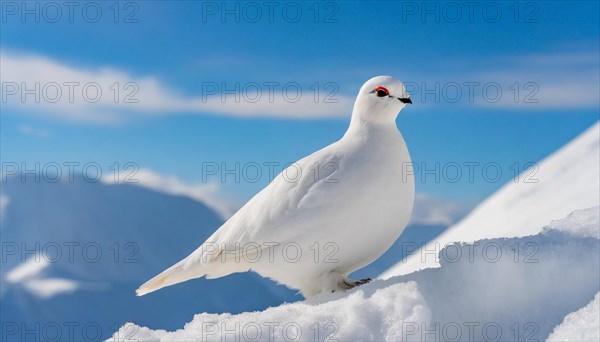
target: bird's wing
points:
(296, 193)
(288, 207)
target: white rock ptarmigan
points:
(323, 217)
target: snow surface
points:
(583, 223)
(567, 180)
(581, 325)
(377, 316)
(496, 289)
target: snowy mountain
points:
(70, 246)
(76, 252)
(565, 181)
(511, 294)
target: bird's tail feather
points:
(171, 276)
(192, 267)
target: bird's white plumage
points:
(323, 217)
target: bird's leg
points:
(347, 284)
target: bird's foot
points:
(347, 284)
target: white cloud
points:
(546, 81)
(429, 210)
(31, 268)
(4, 200)
(35, 132)
(532, 83)
(560, 81)
(50, 287)
(29, 275)
(206, 193)
(136, 95)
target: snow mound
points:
(581, 325)
(583, 223)
(494, 289)
(567, 180)
(379, 315)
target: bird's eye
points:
(381, 91)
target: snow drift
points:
(495, 289)
(565, 181)
(582, 325)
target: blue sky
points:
(174, 50)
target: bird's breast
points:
(378, 177)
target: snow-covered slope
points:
(499, 294)
(566, 180)
(581, 325)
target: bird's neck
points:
(364, 129)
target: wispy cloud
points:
(206, 193)
(105, 94)
(4, 200)
(42, 85)
(31, 268)
(29, 275)
(547, 81)
(35, 132)
(533, 83)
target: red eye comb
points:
(381, 91)
(382, 88)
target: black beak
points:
(406, 100)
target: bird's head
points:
(380, 99)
